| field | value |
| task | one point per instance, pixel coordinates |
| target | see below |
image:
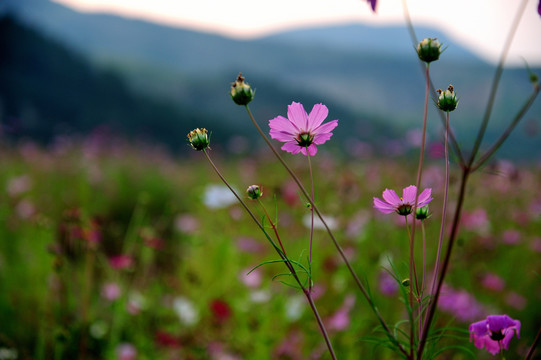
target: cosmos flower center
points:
(404, 209)
(497, 335)
(304, 139)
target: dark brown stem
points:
(534, 345)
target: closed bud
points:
(254, 192)
(429, 50)
(422, 213)
(447, 100)
(199, 139)
(241, 92)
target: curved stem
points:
(282, 255)
(273, 225)
(488, 154)
(496, 81)
(534, 345)
(331, 235)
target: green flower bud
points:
(406, 282)
(447, 100)
(422, 213)
(199, 139)
(429, 50)
(254, 192)
(241, 92)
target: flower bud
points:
(199, 139)
(241, 92)
(429, 50)
(422, 213)
(406, 282)
(254, 192)
(447, 100)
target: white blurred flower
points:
(18, 185)
(260, 296)
(185, 310)
(332, 222)
(218, 197)
(294, 307)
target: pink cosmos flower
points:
(494, 333)
(302, 131)
(402, 205)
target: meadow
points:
(113, 250)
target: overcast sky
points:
(480, 25)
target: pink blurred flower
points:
(511, 237)
(387, 284)
(126, 352)
(476, 220)
(536, 244)
(111, 291)
(460, 303)
(302, 131)
(402, 205)
(187, 223)
(494, 333)
(492, 282)
(516, 300)
(251, 279)
(340, 320)
(120, 262)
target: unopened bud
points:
(406, 282)
(254, 192)
(199, 139)
(241, 92)
(422, 213)
(447, 100)
(429, 50)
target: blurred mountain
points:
(369, 77)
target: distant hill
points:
(48, 90)
(369, 77)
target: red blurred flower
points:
(220, 310)
(165, 339)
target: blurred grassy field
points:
(181, 289)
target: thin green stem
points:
(273, 225)
(282, 255)
(331, 235)
(311, 212)
(444, 207)
(496, 81)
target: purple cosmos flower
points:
(494, 332)
(402, 205)
(301, 131)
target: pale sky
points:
(482, 23)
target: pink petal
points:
(298, 116)
(424, 198)
(321, 138)
(291, 147)
(317, 115)
(280, 123)
(312, 150)
(281, 135)
(391, 197)
(325, 128)
(408, 194)
(382, 206)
